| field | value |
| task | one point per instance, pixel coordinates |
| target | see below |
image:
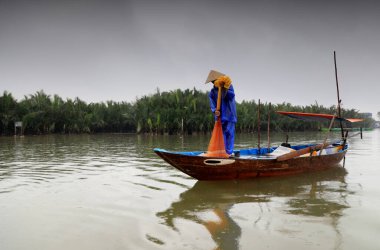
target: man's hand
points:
(218, 84)
(217, 113)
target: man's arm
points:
(212, 101)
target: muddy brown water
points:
(111, 191)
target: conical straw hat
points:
(213, 75)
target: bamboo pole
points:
(361, 133)
(339, 100)
(219, 100)
(258, 127)
(269, 109)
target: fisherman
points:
(227, 111)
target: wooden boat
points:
(263, 162)
(253, 163)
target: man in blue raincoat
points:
(227, 111)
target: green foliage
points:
(8, 113)
(162, 112)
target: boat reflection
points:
(314, 194)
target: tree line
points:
(172, 112)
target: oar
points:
(302, 151)
(299, 152)
(328, 133)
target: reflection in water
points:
(315, 194)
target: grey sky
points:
(119, 50)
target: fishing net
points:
(216, 147)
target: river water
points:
(112, 192)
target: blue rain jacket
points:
(228, 104)
(227, 114)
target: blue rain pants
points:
(229, 136)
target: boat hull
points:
(206, 168)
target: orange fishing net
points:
(216, 147)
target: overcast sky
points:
(275, 50)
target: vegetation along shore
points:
(178, 111)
